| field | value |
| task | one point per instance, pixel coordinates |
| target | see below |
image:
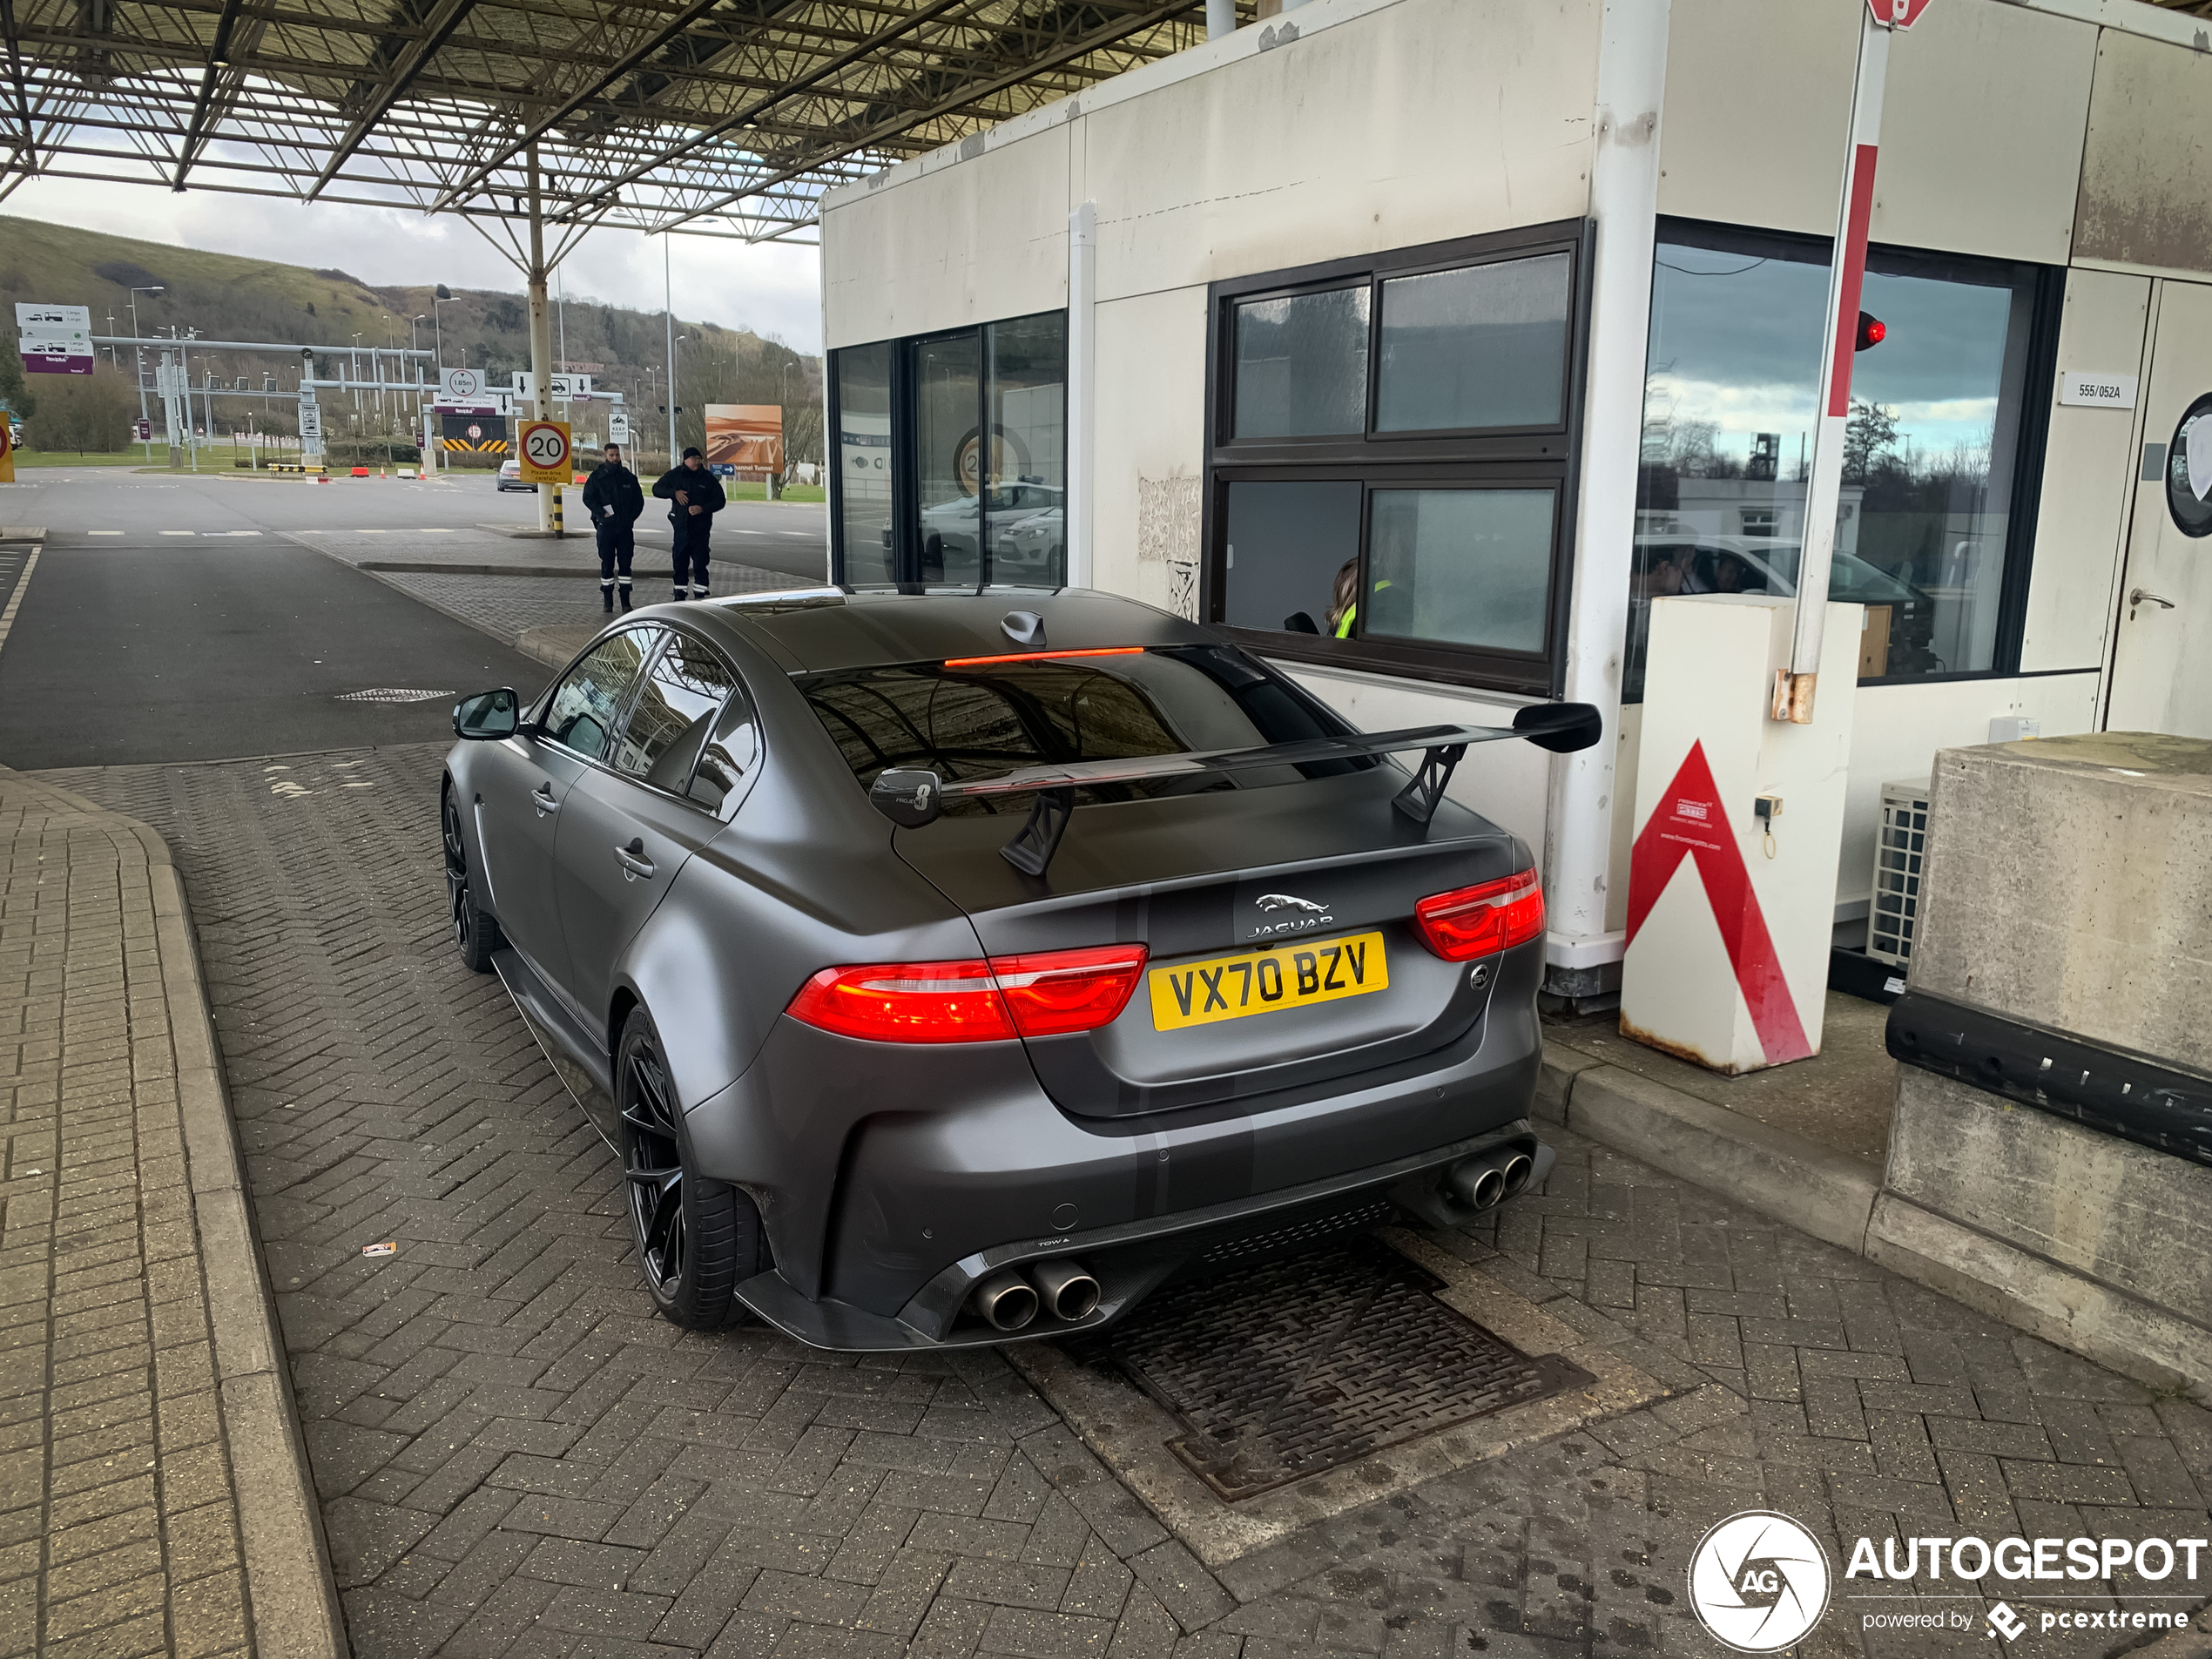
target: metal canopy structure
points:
(719, 117)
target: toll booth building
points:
(1420, 345)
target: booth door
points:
(2161, 675)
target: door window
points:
(674, 712)
(729, 759)
(586, 707)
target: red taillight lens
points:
(1041, 994)
(1481, 920)
(906, 1002)
(1052, 993)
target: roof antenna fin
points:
(1024, 628)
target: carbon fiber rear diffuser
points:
(1290, 1368)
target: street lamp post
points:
(139, 355)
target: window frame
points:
(669, 633)
(619, 721)
(2038, 388)
(1547, 455)
(667, 630)
(905, 550)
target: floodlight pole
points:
(540, 399)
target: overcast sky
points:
(768, 289)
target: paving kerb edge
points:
(1776, 1172)
(291, 1591)
(1842, 1201)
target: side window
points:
(587, 704)
(728, 760)
(675, 711)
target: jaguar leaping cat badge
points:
(1273, 901)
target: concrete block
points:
(2133, 1337)
(2067, 883)
(1773, 1171)
(2138, 1219)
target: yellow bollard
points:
(557, 530)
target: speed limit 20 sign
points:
(543, 447)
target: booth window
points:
(1391, 445)
(1942, 451)
(952, 458)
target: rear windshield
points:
(986, 720)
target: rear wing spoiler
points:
(915, 799)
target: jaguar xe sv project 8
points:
(944, 973)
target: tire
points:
(476, 931)
(697, 1240)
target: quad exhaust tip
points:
(1485, 1182)
(1006, 1301)
(1069, 1292)
(1063, 1290)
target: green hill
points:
(221, 296)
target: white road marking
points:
(180, 532)
(435, 532)
(103, 532)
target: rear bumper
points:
(892, 1178)
(1129, 1261)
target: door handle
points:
(633, 859)
(542, 798)
(2145, 596)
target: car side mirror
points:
(910, 799)
(487, 715)
(1299, 622)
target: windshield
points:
(984, 719)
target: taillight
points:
(1039, 995)
(1483, 920)
(1052, 993)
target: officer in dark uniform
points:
(614, 498)
(694, 495)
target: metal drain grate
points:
(1288, 1368)
(391, 694)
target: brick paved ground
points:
(120, 1496)
(515, 1459)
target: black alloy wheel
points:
(698, 1239)
(474, 932)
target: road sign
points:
(542, 448)
(7, 450)
(310, 419)
(564, 386)
(460, 385)
(144, 430)
(1897, 13)
(617, 427)
(51, 349)
(49, 318)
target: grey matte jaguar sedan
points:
(943, 972)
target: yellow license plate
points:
(1261, 981)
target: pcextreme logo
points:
(1759, 1581)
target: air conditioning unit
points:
(1900, 854)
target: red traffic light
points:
(1872, 331)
